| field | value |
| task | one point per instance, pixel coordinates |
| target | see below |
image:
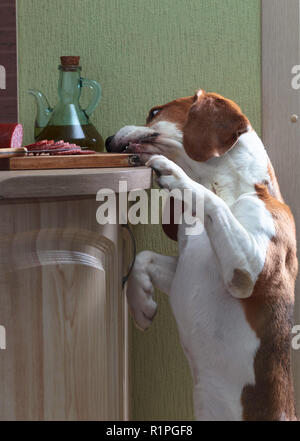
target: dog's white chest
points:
(214, 332)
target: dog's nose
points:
(108, 142)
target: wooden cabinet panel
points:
(64, 312)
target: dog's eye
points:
(153, 113)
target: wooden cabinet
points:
(61, 300)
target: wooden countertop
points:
(70, 182)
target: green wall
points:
(145, 52)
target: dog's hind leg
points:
(151, 270)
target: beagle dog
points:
(231, 287)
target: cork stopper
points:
(69, 62)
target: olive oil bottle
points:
(68, 121)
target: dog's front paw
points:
(169, 175)
(140, 293)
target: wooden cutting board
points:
(98, 160)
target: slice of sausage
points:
(11, 135)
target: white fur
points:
(217, 339)
(149, 269)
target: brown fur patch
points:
(270, 313)
(175, 111)
(213, 126)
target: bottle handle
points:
(92, 84)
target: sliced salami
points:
(11, 135)
(50, 147)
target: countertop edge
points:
(70, 182)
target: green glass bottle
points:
(68, 121)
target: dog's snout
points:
(108, 143)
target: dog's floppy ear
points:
(213, 126)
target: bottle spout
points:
(44, 110)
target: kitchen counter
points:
(62, 303)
